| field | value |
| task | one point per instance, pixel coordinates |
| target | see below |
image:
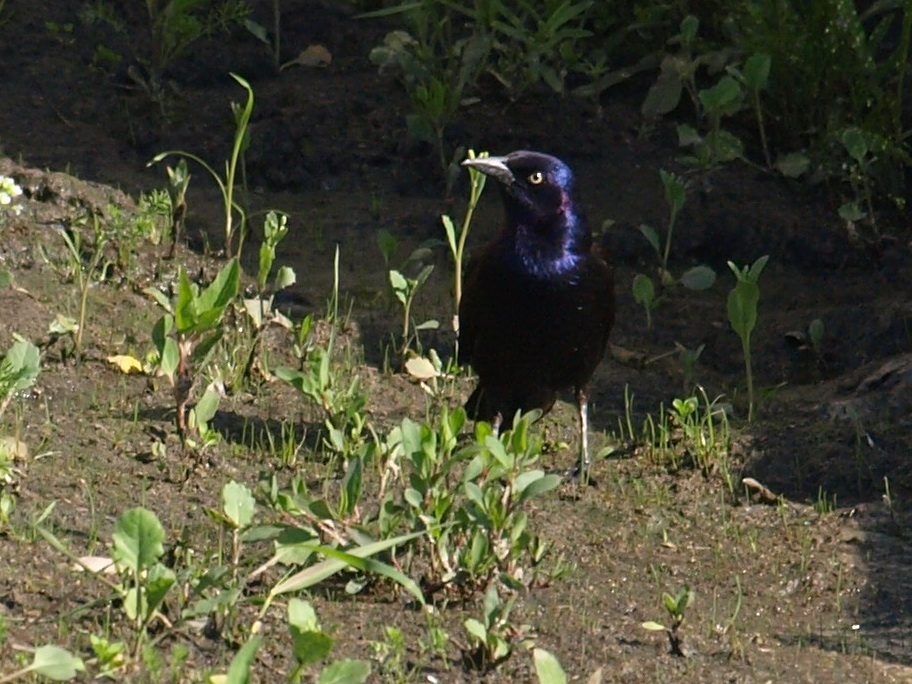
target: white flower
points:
(9, 191)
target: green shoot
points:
(742, 314)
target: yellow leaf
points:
(126, 363)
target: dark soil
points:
(785, 593)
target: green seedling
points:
(227, 184)
(456, 241)
(19, 368)
(259, 309)
(272, 41)
(310, 645)
(179, 180)
(492, 636)
(696, 278)
(110, 655)
(742, 315)
(754, 76)
(676, 607)
(86, 273)
(723, 99)
(644, 294)
(675, 196)
(187, 333)
(342, 404)
(862, 147)
(234, 517)
(405, 289)
(688, 359)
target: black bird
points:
(538, 302)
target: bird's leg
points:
(582, 401)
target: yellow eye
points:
(536, 178)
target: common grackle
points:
(538, 302)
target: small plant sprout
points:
(187, 333)
(19, 369)
(644, 294)
(405, 288)
(179, 180)
(742, 315)
(754, 75)
(85, 273)
(456, 241)
(492, 636)
(259, 308)
(227, 183)
(676, 606)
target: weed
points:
(85, 273)
(742, 315)
(19, 368)
(259, 309)
(492, 637)
(186, 334)
(676, 607)
(227, 184)
(457, 242)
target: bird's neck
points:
(548, 248)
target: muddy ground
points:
(785, 593)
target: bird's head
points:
(538, 190)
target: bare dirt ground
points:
(785, 593)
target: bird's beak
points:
(495, 167)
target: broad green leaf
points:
(238, 503)
(724, 146)
(665, 94)
(205, 409)
(476, 629)
(6, 278)
(756, 72)
(548, 668)
(855, 142)
(852, 212)
(688, 136)
(138, 537)
(222, 290)
(302, 615)
(158, 582)
(742, 307)
(540, 486)
(310, 646)
(793, 164)
(651, 235)
(285, 277)
(698, 278)
(170, 359)
(56, 663)
(239, 670)
(643, 289)
(345, 671)
(723, 98)
(23, 360)
(185, 309)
